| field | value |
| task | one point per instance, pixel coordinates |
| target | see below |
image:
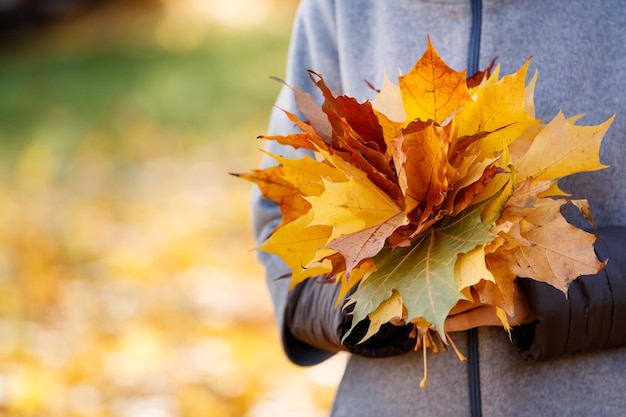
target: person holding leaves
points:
(566, 356)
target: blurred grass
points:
(208, 91)
(127, 284)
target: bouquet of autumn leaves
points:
(441, 189)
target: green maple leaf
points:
(423, 273)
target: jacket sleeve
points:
(312, 47)
(593, 316)
(311, 327)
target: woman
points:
(569, 358)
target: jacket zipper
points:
(473, 366)
(473, 373)
(474, 45)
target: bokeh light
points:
(128, 283)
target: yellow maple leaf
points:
(388, 310)
(273, 186)
(497, 105)
(470, 268)
(388, 102)
(351, 206)
(346, 283)
(562, 148)
(431, 89)
(299, 245)
(306, 174)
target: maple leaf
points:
(311, 111)
(423, 156)
(423, 274)
(562, 149)
(348, 281)
(346, 112)
(552, 250)
(299, 245)
(535, 241)
(431, 89)
(351, 206)
(273, 186)
(471, 268)
(497, 105)
(366, 243)
(388, 310)
(388, 103)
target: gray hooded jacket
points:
(568, 363)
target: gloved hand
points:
(390, 340)
(314, 328)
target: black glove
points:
(390, 340)
(314, 328)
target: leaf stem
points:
(461, 357)
(425, 378)
(441, 342)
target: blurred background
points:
(128, 286)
